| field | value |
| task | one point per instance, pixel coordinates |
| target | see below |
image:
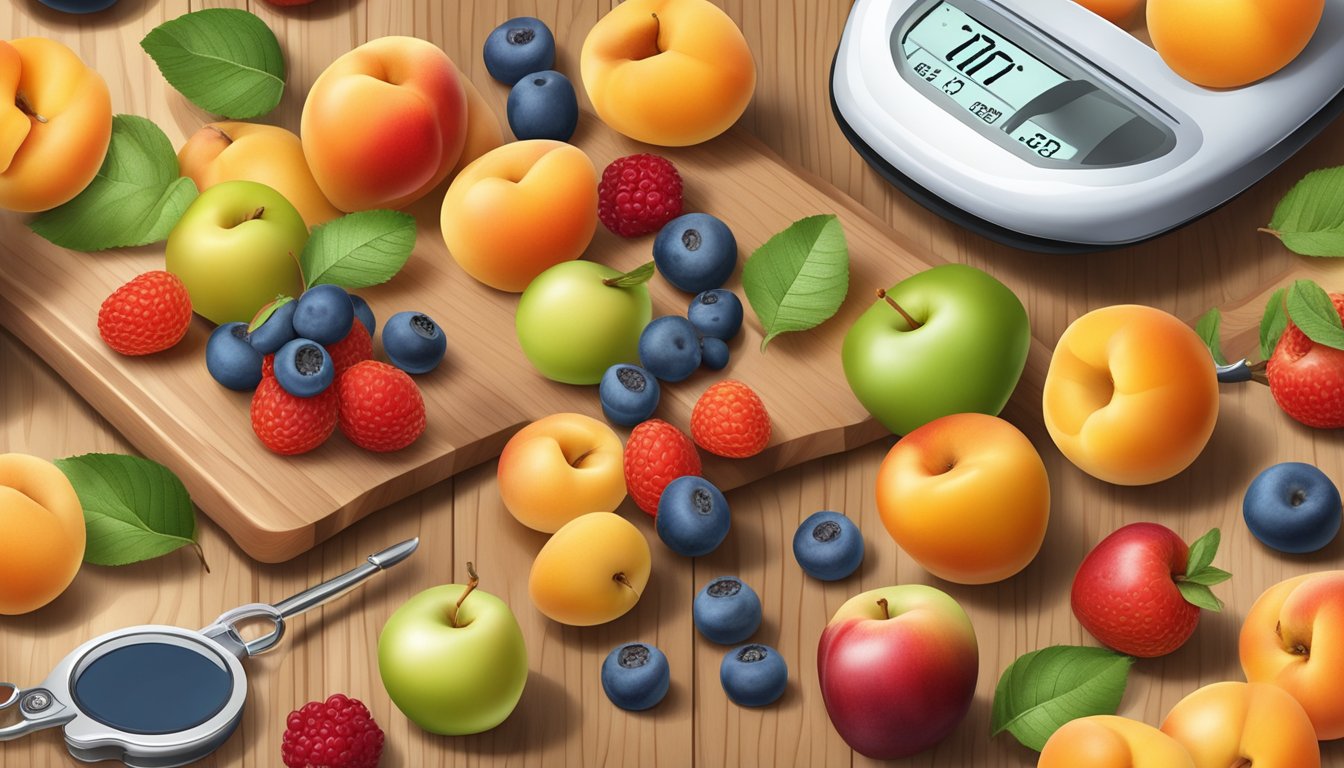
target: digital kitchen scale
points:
(1039, 124)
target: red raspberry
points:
(638, 194)
(337, 733)
(356, 347)
(1306, 378)
(149, 314)
(268, 367)
(730, 420)
(290, 425)
(381, 406)
(656, 454)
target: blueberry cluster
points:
(520, 53)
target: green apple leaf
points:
(1202, 551)
(799, 278)
(1209, 327)
(134, 508)
(266, 311)
(1045, 689)
(224, 60)
(1310, 218)
(1310, 307)
(637, 276)
(1199, 596)
(359, 249)
(1209, 576)
(1200, 574)
(1273, 323)
(136, 198)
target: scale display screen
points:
(985, 74)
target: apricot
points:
(41, 532)
(519, 210)
(560, 467)
(593, 570)
(1107, 741)
(384, 124)
(1115, 11)
(55, 124)
(668, 72)
(1230, 43)
(265, 154)
(1228, 724)
(484, 132)
(1131, 395)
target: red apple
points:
(897, 667)
(1140, 590)
(1305, 377)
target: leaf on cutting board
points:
(1210, 327)
(358, 249)
(798, 279)
(1045, 689)
(1273, 323)
(224, 60)
(1310, 308)
(1310, 218)
(136, 198)
(134, 509)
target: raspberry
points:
(356, 347)
(1306, 378)
(656, 454)
(268, 366)
(638, 194)
(730, 420)
(337, 733)
(381, 407)
(149, 314)
(290, 425)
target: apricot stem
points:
(221, 133)
(576, 462)
(21, 102)
(471, 586)
(886, 613)
(882, 294)
(620, 578)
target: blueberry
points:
(1292, 507)
(414, 342)
(669, 348)
(753, 675)
(543, 106)
(695, 252)
(713, 353)
(303, 368)
(828, 546)
(693, 516)
(629, 394)
(231, 359)
(726, 611)
(276, 331)
(364, 314)
(716, 313)
(517, 47)
(636, 676)
(324, 313)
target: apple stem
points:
(886, 612)
(914, 324)
(21, 102)
(620, 578)
(257, 213)
(471, 586)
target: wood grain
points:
(564, 718)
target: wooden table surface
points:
(563, 718)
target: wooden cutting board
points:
(277, 507)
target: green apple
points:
(235, 248)
(453, 670)
(948, 340)
(573, 326)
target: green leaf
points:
(637, 276)
(224, 60)
(266, 311)
(136, 198)
(135, 509)
(1309, 306)
(1045, 689)
(359, 249)
(1209, 327)
(1208, 576)
(1199, 596)
(799, 278)
(1200, 574)
(1202, 552)
(1310, 218)
(1272, 324)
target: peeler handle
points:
(330, 590)
(38, 709)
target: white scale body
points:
(1039, 124)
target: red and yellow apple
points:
(384, 124)
(1107, 741)
(1293, 637)
(55, 124)
(266, 154)
(897, 668)
(593, 570)
(519, 210)
(1131, 395)
(967, 497)
(1244, 724)
(668, 72)
(560, 467)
